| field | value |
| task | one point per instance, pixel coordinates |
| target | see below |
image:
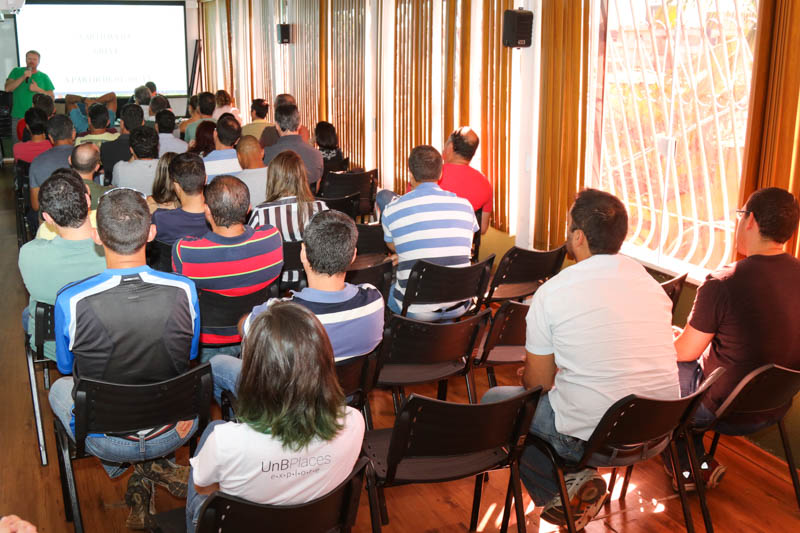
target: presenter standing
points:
(24, 83)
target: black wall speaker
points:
(517, 28)
(284, 33)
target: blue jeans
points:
(535, 467)
(225, 370)
(207, 352)
(114, 453)
(195, 501)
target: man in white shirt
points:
(254, 173)
(140, 172)
(167, 142)
(597, 332)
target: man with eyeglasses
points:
(744, 315)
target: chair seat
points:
(510, 291)
(602, 459)
(413, 374)
(428, 470)
(173, 521)
(506, 355)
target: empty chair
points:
(521, 272)
(674, 288)
(44, 331)
(334, 185)
(505, 342)
(346, 204)
(378, 275)
(370, 240)
(434, 441)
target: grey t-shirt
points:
(256, 181)
(48, 162)
(138, 174)
(312, 158)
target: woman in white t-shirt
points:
(297, 440)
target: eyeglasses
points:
(115, 189)
(742, 213)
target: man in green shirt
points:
(24, 83)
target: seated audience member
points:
(144, 321)
(35, 125)
(62, 136)
(290, 204)
(188, 177)
(744, 316)
(291, 409)
(85, 160)
(163, 196)
(463, 180)
(77, 107)
(98, 130)
(427, 223)
(203, 143)
(223, 159)
(140, 172)
(352, 315)
(253, 173)
(287, 120)
(112, 152)
(152, 86)
(328, 143)
(224, 103)
(158, 103)
(205, 107)
(40, 101)
(232, 259)
(193, 115)
(258, 119)
(141, 97)
(597, 332)
(167, 142)
(269, 135)
(48, 265)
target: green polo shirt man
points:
(24, 83)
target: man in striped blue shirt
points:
(428, 223)
(352, 315)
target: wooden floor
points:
(756, 495)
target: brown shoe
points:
(171, 476)
(140, 497)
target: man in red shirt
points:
(35, 123)
(463, 180)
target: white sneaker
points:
(587, 492)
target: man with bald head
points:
(85, 160)
(254, 173)
(463, 180)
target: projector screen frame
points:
(182, 4)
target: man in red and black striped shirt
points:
(228, 263)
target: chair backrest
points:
(347, 204)
(429, 283)
(221, 314)
(673, 288)
(765, 389)
(336, 511)
(508, 328)
(102, 407)
(357, 376)
(529, 268)
(370, 239)
(476, 237)
(379, 275)
(44, 326)
(636, 428)
(425, 427)
(342, 184)
(159, 256)
(408, 341)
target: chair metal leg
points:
(628, 472)
(367, 412)
(714, 443)
(491, 377)
(382, 505)
(471, 390)
(676, 468)
(72, 508)
(46, 375)
(374, 506)
(787, 449)
(562, 486)
(396, 401)
(697, 474)
(37, 412)
(476, 503)
(612, 481)
(507, 504)
(441, 393)
(519, 504)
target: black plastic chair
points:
(159, 256)
(674, 288)
(44, 326)
(434, 441)
(429, 283)
(221, 513)
(221, 314)
(102, 407)
(378, 275)
(521, 272)
(370, 240)
(767, 388)
(22, 202)
(476, 237)
(345, 204)
(6, 103)
(505, 342)
(632, 430)
(335, 185)
(292, 263)
(416, 352)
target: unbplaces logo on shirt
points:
(294, 467)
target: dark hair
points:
(287, 117)
(325, 135)
(132, 116)
(144, 142)
(165, 120)
(602, 218)
(462, 145)
(36, 121)
(188, 171)
(63, 197)
(204, 138)
(98, 115)
(223, 98)
(206, 103)
(288, 386)
(228, 199)
(776, 211)
(330, 241)
(158, 103)
(192, 103)
(228, 129)
(84, 157)
(286, 176)
(59, 128)
(142, 95)
(45, 103)
(123, 221)
(152, 86)
(260, 107)
(163, 192)
(425, 163)
(283, 99)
